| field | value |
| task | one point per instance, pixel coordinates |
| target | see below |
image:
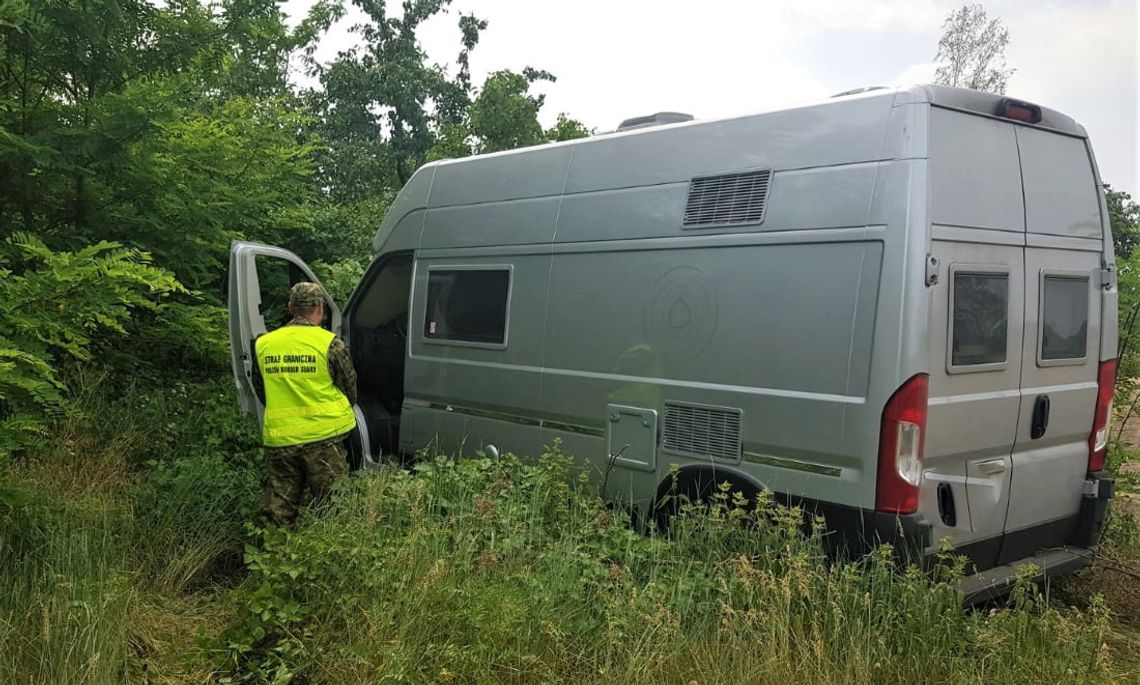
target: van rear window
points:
(981, 318)
(1064, 317)
(467, 305)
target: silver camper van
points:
(896, 308)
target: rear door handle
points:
(992, 467)
(1040, 417)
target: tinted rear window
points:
(1064, 317)
(981, 317)
(468, 305)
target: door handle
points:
(1040, 417)
(992, 467)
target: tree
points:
(567, 129)
(504, 116)
(1124, 217)
(169, 130)
(382, 101)
(971, 52)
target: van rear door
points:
(977, 227)
(1061, 350)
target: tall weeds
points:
(99, 538)
(498, 571)
(118, 551)
(64, 596)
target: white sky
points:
(620, 58)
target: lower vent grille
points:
(701, 431)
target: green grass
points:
(124, 562)
(63, 607)
(496, 571)
(113, 558)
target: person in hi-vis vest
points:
(305, 379)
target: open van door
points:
(259, 281)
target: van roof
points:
(840, 129)
(973, 101)
(978, 102)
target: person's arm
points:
(341, 369)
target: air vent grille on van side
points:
(701, 431)
(728, 199)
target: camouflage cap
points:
(306, 294)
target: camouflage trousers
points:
(293, 470)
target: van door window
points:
(468, 305)
(980, 310)
(274, 278)
(1064, 317)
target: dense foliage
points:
(138, 139)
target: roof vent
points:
(659, 119)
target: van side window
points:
(1064, 317)
(981, 317)
(467, 305)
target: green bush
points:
(104, 521)
(52, 307)
(177, 418)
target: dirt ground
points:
(1129, 500)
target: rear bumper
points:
(1053, 548)
(999, 580)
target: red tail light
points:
(902, 439)
(1098, 439)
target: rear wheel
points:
(700, 486)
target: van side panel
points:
(801, 199)
(492, 223)
(765, 328)
(773, 321)
(533, 172)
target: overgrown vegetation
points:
(492, 570)
(472, 571)
(137, 139)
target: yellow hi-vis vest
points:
(301, 403)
